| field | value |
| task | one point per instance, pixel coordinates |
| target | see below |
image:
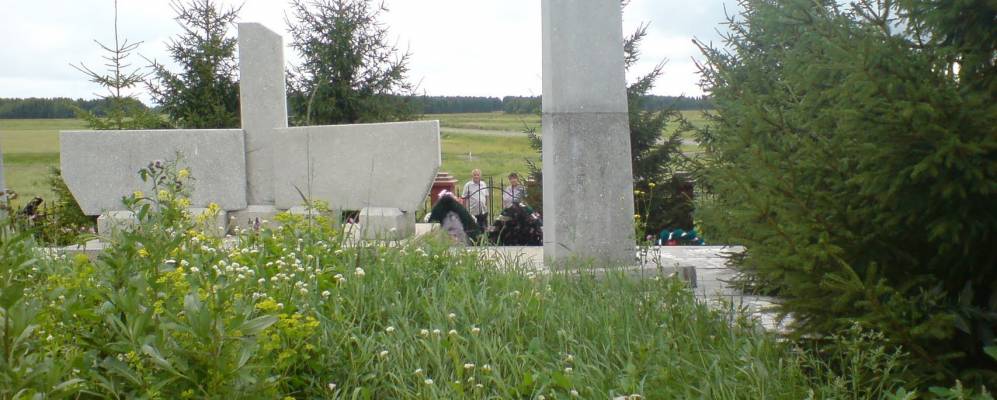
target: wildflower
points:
(436, 332)
(428, 381)
(574, 393)
(326, 293)
(568, 370)
(339, 278)
(475, 330)
(468, 366)
(418, 371)
(163, 195)
(651, 185)
(451, 316)
(389, 329)
(453, 332)
(359, 272)
(383, 353)
(143, 252)
(303, 291)
(570, 358)
(636, 216)
(479, 386)
(424, 332)
(638, 193)
(138, 195)
(332, 387)
(486, 368)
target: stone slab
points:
(113, 221)
(588, 188)
(263, 104)
(356, 166)
(384, 223)
(101, 167)
(253, 217)
(582, 43)
(216, 225)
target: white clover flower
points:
(424, 332)
(475, 330)
(568, 370)
(332, 387)
(451, 316)
(570, 358)
(359, 272)
(436, 332)
(326, 293)
(280, 306)
(428, 381)
(479, 386)
(453, 332)
(339, 278)
(303, 291)
(468, 366)
(574, 393)
(418, 371)
(389, 329)
(194, 270)
(184, 263)
(486, 368)
(383, 353)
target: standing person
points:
(476, 198)
(514, 193)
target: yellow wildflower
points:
(143, 253)
(183, 173)
(636, 216)
(138, 195)
(651, 185)
(163, 195)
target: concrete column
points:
(263, 105)
(587, 177)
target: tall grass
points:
(297, 311)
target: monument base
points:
(114, 221)
(383, 223)
(253, 217)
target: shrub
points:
(854, 156)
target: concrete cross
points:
(385, 170)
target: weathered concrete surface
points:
(356, 166)
(386, 223)
(263, 104)
(253, 217)
(101, 167)
(588, 182)
(114, 221)
(214, 225)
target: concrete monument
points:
(587, 177)
(385, 170)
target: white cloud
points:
(458, 47)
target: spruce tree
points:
(854, 154)
(349, 72)
(205, 94)
(124, 111)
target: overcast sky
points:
(458, 47)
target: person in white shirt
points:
(475, 197)
(514, 193)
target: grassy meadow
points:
(31, 146)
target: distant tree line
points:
(532, 104)
(59, 107)
(456, 104)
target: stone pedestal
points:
(114, 221)
(216, 225)
(382, 223)
(252, 217)
(588, 182)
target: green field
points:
(31, 146)
(30, 149)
